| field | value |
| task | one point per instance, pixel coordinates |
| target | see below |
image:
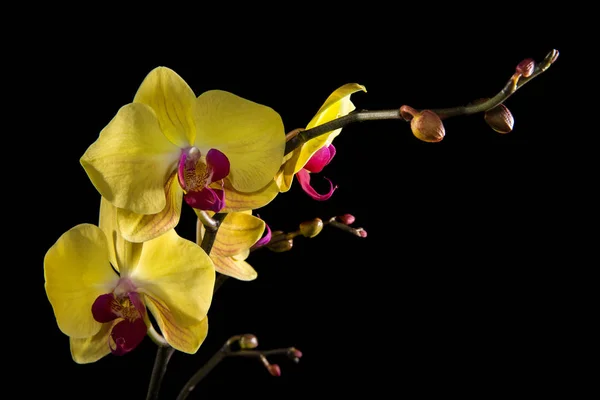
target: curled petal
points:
(127, 335)
(77, 272)
(250, 134)
(173, 102)
(337, 105)
(265, 239)
(139, 228)
(206, 199)
(131, 160)
(320, 159)
(218, 164)
(304, 180)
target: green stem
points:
(163, 355)
(515, 83)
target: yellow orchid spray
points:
(225, 156)
(315, 154)
(101, 286)
(168, 145)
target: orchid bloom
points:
(168, 145)
(238, 233)
(100, 287)
(315, 154)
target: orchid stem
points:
(163, 355)
(201, 373)
(299, 136)
(164, 351)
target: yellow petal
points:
(337, 105)
(285, 175)
(234, 268)
(131, 160)
(183, 338)
(249, 134)
(77, 271)
(140, 228)
(91, 349)
(173, 101)
(240, 201)
(122, 253)
(178, 273)
(238, 232)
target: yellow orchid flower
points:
(238, 233)
(102, 308)
(315, 154)
(168, 145)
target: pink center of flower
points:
(197, 173)
(129, 310)
(315, 164)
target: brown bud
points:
(248, 341)
(526, 67)
(500, 119)
(311, 228)
(427, 126)
(281, 245)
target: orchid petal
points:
(237, 269)
(337, 105)
(173, 102)
(185, 338)
(102, 309)
(249, 134)
(285, 175)
(304, 180)
(218, 164)
(77, 271)
(140, 228)
(178, 273)
(122, 253)
(92, 348)
(240, 201)
(238, 232)
(130, 161)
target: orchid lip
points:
(304, 179)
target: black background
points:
(446, 296)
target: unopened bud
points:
(347, 219)
(296, 353)
(274, 369)
(500, 119)
(361, 232)
(526, 67)
(427, 126)
(248, 341)
(311, 228)
(281, 245)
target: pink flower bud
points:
(347, 219)
(361, 232)
(274, 369)
(526, 67)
